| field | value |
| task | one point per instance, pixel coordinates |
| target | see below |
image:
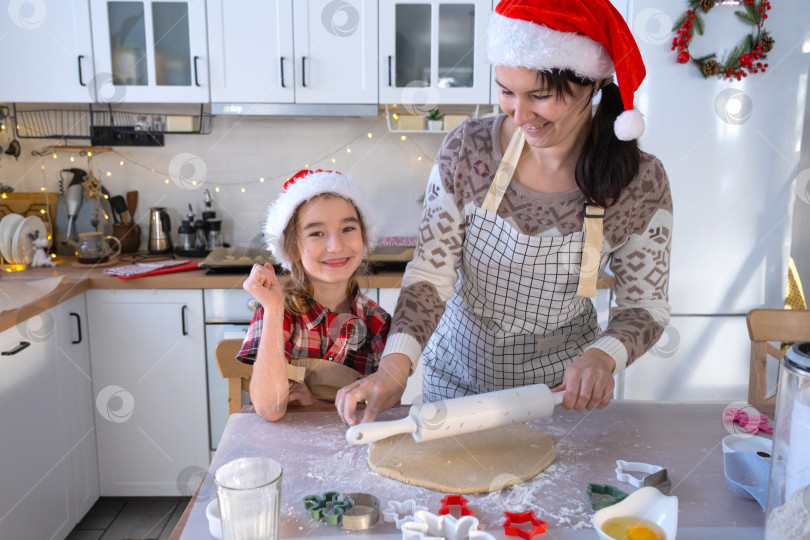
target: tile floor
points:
(122, 518)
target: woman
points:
(497, 295)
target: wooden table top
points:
(683, 438)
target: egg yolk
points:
(641, 533)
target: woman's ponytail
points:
(606, 165)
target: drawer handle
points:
(78, 327)
(281, 62)
(389, 70)
(304, 71)
(183, 319)
(79, 61)
(196, 79)
(18, 348)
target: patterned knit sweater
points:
(636, 243)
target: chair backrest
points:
(765, 325)
(237, 373)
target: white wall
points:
(238, 152)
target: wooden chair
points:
(237, 373)
(765, 325)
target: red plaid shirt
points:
(355, 339)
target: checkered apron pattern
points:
(515, 317)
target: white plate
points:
(8, 227)
(23, 245)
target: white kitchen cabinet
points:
(307, 51)
(47, 52)
(150, 51)
(434, 52)
(34, 474)
(76, 393)
(147, 352)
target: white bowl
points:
(646, 503)
(214, 519)
(747, 443)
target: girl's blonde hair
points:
(299, 289)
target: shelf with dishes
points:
(439, 119)
(18, 238)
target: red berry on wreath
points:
(746, 59)
(683, 57)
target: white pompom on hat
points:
(302, 187)
(588, 37)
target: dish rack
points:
(105, 127)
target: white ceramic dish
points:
(214, 519)
(747, 443)
(8, 228)
(646, 503)
(23, 244)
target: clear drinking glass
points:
(249, 493)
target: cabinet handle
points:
(78, 327)
(196, 79)
(79, 61)
(304, 71)
(183, 319)
(281, 63)
(18, 348)
(389, 70)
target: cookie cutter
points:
(327, 507)
(611, 495)
(455, 500)
(406, 509)
(354, 521)
(656, 476)
(428, 526)
(538, 525)
(752, 423)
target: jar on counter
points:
(788, 510)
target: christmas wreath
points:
(745, 58)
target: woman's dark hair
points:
(299, 289)
(606, 165)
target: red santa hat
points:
(301, 187)
(588, 37)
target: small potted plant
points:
(434, 118)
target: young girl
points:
(319, 229)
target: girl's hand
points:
(301, 395)
(381, 390)
(263, 285)
(588, 381)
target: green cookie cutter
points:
(327, 507)
(605, 495)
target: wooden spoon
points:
(132, 203)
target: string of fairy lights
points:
(103, 168)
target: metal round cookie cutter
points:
(355, 521)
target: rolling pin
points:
(463, 415)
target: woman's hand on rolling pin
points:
(380, 391)
(588, 381)
(263, 285)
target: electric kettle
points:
(159, 229)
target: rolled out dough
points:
(477, 462)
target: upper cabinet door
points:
(336, 51)
(150, 51)
(434, 52)
(251, 49)
(47, 52)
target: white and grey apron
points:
(520, 312)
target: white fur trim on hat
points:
(629, 125)
(519, 43)
(304, 189)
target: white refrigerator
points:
(731, 150)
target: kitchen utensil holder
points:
(103, 127)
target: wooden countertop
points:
(81, 278)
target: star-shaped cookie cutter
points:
(446, 527)
(455, 500)
(327, 507)
(406, 509)
(538, 525)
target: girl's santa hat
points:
(303, 186)
(588, 37)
